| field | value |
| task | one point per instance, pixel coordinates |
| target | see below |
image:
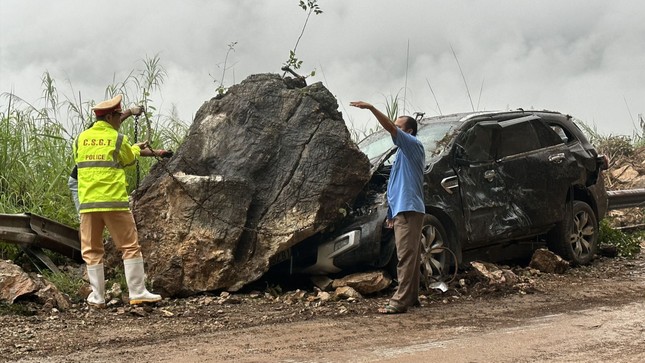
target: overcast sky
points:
(585, 58)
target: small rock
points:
(345, 292)
(114, 291)
(365, 282)
(113, 302)
(493, 274)
(138, 311)
(84, 291)
(322, 282)
(548, 262)
(324, 296)
(166, 313)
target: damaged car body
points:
(496, 184)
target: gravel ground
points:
(299, 325)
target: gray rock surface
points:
(263, 167)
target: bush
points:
(8, 251)
(66, 283)
(628, 245)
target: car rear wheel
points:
(436, 258)
(576, 238)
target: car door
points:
(535, 166)
(483, 193)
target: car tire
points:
(437, 259)
(575, 238)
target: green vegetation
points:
(221, 89)
(118, 276)
(311, 7)
(66, 283)
(627, 245)
(36, 143)
(9, 252)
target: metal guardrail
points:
(32, 233)
(629, 198)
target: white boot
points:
(135, 277)
(96, 275)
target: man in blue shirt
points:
(406, 206)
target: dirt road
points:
(590, 314)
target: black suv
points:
(495, 184)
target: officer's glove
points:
(136, 110)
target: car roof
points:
(463, 119)
(468, 116)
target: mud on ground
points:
(269, 325)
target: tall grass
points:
(36, 142)
(34, 163)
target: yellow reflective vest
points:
(101, 154)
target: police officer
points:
(101, 153)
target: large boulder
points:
(263, 167)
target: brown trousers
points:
(407, 235)
(122, 228)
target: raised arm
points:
(380, 116)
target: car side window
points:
(476, 143)
(517, 136)
(563, 133)
(558, 130)
(550, 135)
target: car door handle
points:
(449, 183)
(556, 158)
(489, 175)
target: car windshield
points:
(431, 135)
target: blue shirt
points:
(405, 187)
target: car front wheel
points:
(576, 238)
(436, 258)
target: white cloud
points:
(580, 57)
